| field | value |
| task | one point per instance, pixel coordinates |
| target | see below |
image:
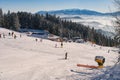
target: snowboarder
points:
(66, 55)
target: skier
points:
(12, 33)
(20, 35)
(55, 45)
(66, 55)
(100, 47)
(36, 39)
(9, 33)
(61, 44)
(0, 35)
(15, 36)
(108, 51)
(40, 40)
(3, 35)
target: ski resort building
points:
(36, 33)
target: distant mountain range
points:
(77, 12)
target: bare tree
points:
(117, 16)
(117, 23)
(117, 4)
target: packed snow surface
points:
(25, 59)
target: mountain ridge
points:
(77, 12)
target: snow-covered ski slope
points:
(25, 59)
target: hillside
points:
(25, 59)
(54, 25)
(102, 22)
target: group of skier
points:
(3, 35)
(39, 39)
(60, 44)
(13, 35)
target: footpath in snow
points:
(25, 59)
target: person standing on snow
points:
(9, 33)
(41, 40)
(61, 44)
(55, 45)
(36, 39)
(12, 34)
(108, 51)
(20, 35)
(0, 35)
(15, 36)
(66, 54)
(3, 35)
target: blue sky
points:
(37, 5)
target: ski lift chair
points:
(100, 60)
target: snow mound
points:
(112, 73)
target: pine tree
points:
(1, 18)
(15, 22)
(92, 39)
(7, 20)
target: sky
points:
(34, 6)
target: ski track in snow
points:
(25, 59)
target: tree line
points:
(53, 24)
